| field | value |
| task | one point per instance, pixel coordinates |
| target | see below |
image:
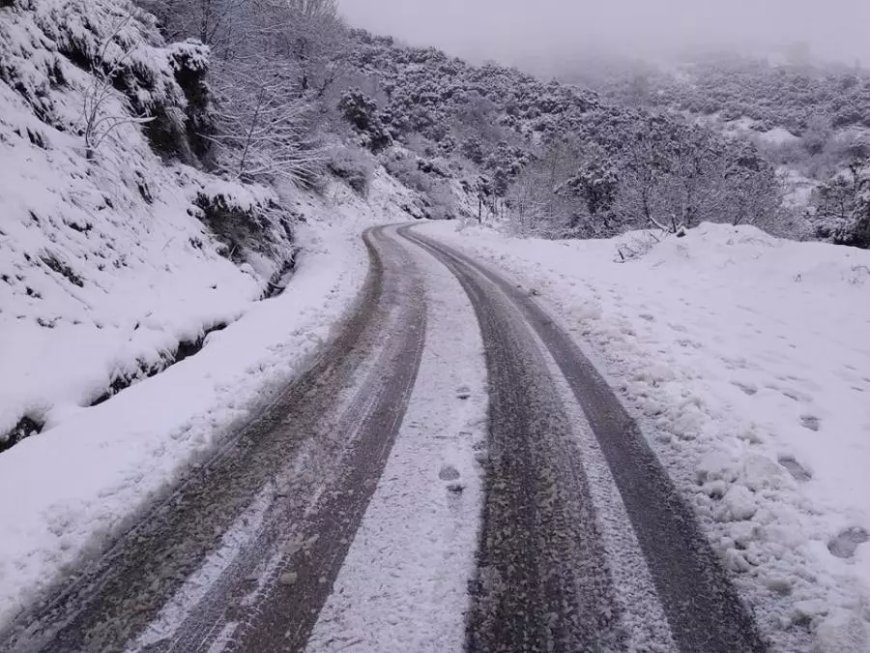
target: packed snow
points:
(746, 360)
(403, 585)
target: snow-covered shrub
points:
(111, 52)
(855, 231)
(245, 222)
(404, 167)
(352, 165)
(842, 207)
(444, 201)
(190, 63)
(596, 185)
(361, 112)
(427, 177)
(264, 126)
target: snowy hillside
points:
(109, 260)
(746, 359)
(810, 120)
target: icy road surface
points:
(355, 511)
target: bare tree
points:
(219, 24)
(264, 130)
(100, 97)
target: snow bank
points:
(747, 361)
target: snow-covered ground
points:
(747, 361)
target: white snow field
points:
(746, 360)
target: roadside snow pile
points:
(747, 361)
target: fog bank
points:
(513, 31)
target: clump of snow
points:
(746, 360)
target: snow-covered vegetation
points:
(114, 261)
(788, 95)
(557, 160)
(812, 120)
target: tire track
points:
(543, 582)
(702, 608)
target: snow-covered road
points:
(547, 576)
(454, 473)
(267, 520)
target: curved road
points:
(244, 553)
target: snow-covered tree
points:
(362, 113)
(264, 132)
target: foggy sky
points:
(514, 31)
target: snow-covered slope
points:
(106, 262)
(747, 360)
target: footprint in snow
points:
(793, 467)
(847, 542)
(810, 422)
(448, 473)
(747, 388)
(463, 392)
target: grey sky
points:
(514, 30)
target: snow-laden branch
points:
(264, 126)
(100, 94)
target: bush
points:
(362, 114)
(245, 220)
(353, 166)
